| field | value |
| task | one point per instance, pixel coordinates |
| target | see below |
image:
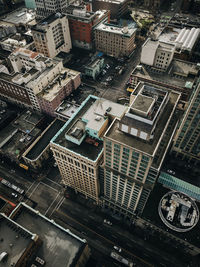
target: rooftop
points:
(112, 28)
(43, 24)
(14, 240)
(44, 141)
(20, 16)
(84, 149)
(16, 136)
(90, 120)
(53, 88)
(67, 109)
(60, 247)
(151, 213)
(178, 75)
(151, 146)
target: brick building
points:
(81, 24)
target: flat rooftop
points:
(60, 247)
(89, 151)
(14, 240)
(177, 76)
(20, 16)
(147, 147)
(14, 136)
(52, 90)
(67, 109)
(112, 28)
(44, 141)
(43, 24)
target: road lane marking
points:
(57, 205)
(53, 182)
(34, 190)
(52, 203)
(49, 186)
(109, 241)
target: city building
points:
(82, 23)
(46, 241)
(30, 4)
(21, 17)
(44, 8)
(51, 35)
(135, 147)
(114, 40)
(18, 243)
(157, 54)
(39, 150)
(94, 67)
(6, 29)
(78, 146)
(181, 76)
(17, 40)
(153, 4)
(187, 140)
(17, 135)
(117, 7)
(66, 110)
(38, 82)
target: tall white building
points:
(48, 7)
(51, 35)
(135, 146)
(157, 54)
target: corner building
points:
(78, 146)
(134, 149)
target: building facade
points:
(117, 8)
(82, 23)
(94, 68)
(115, 41)
(78, 146)
(42, 82)
(30, 4)
(157, 54)
(51, 35)
(44, 8)
(187, 140)
(134, 149)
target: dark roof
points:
(44, 140)
(60, 247)
(137, 124)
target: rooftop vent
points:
(98, 118)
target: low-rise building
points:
(56, 246)
(18, 243)
(18, 135)
(157, 54)
(51, 35)
(12, 42)
(115, 40)
(82, 23)
(181, 76)
(94, 68)
(39, 150)
(20, 17)
(38, 82)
